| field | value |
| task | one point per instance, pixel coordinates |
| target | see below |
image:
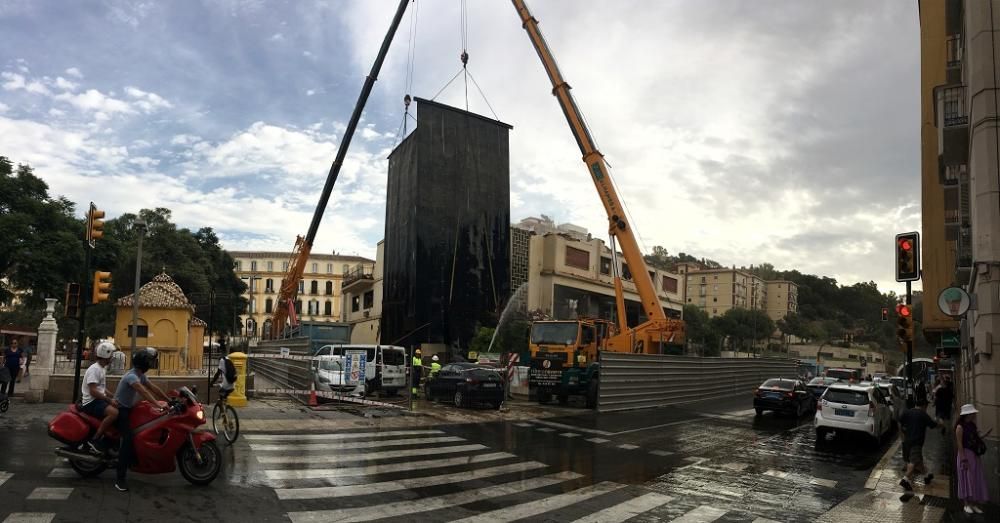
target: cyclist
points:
(95, 399)
(227, 371)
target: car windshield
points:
(332, 365)
(779, 384)
(850, 397)
(821, 382)
(554, 333)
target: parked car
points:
(328, 375)
(852, 408)
(783, 395)
(897, 402)
(819, 384)
(844, 374)
(466, 384)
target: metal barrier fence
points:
(286, 366)
(635, 381)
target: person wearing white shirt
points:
(94, 393)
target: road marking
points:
(702, 514)
(347, 458)
(405, 484)
(30, 517)
(823, 482)
(640, 429)
(661, 453)
(626, 446)
(522, 424)
(627, 509)
(338, 436)
(50, 493)
(355, 445)
(401, 508)
(545, 429)
(738, 467)
(534, 508)
(570, 435)
(62, 473)
(776, 473)
(4, 476)
(764, 520)
(573, 427)
(382, 469)
(598, 440)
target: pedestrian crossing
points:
(428, 475)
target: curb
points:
(876, 474)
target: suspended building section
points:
(447, 229)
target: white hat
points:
(968, 408)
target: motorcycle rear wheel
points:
(204, 473)
(86, 469)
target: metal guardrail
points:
(635, 381)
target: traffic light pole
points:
(83, 318)
(909, 350)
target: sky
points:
(784, 132)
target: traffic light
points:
(102, 287)
(72, 303)
(885, 313)
(904, 325)
(908, 256)
(95, 224)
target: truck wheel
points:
(592, 394)
(544, 397)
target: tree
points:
(480, 343)
(700, 331)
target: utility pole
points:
(909, 350)
(140, 228)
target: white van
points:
(385, 365)
(328, 375)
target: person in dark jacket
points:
(914, 424)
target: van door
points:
(393, 375)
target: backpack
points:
(230, 370)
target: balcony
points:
(359, 279)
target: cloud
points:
(94, 100)
(73, 71)
(277, 37)
(12, 81)
(63, 83)
(146, 101)
(4, 107)
(184, 139)
(310, 92)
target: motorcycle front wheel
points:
(200, 473)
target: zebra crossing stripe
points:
(325, 457)
(30, 517)
(534, 508)
(702, 514)
(405, 484)
(627, 509)
(371, 470)
(339, 436)
(402, 508)
(50, 493)
(354, 445)
(4, 476)
(59, 472)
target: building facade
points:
(319, 296)
(715, 291)
(361, 305)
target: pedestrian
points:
(435, 366)
(921, 390)
(12, 362)
(944, 398)
(972, 488)
(914, 424)
(417, 369)
(29, 350)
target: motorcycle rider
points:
(95, 399)
(133, 384)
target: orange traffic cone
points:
(312, 395)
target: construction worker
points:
(418, 367)
(435, 366)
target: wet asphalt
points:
(714, 458)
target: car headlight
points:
(200, 415)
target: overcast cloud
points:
(747, 132)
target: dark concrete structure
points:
(447, 229)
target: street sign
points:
(950, 340)
(954, 301)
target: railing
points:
(359, 273)
(952, 106)
(954, 46)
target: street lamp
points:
(140, 228)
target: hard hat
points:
(105, 349)
(434, 357)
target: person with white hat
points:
(972, 488)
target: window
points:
(253, 266)
(238, 265)
(251, 327)
(715, 311)
(253, 306)
(270, 266)
(298, 306)
(605, 265)
(626, 274)
(716, 277)
(652, 277)
(715, 300)
(269, 285)
(142, 331)
(355, 303)
(346, 269)
(314, 287)
(715, 288)
(577, 258)
(329, 288)
(315, 268)
(269, 306)
(284, 266)
(329, 268)
(302, 286)
(328, 309)
(669, 284)
(369, 299)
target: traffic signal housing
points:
(72, 304)
(908, 256)
(102, 287)
(95, 224)
(885, 313)
(904, 323)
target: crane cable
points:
(465, 48)
(411, 53)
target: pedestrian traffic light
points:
(904, 325)
(908, 256)
(72, 303)
(102, 287)
(95, 224)
(885, 313)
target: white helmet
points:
(434, 357)
(105, 349)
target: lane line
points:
(382, 469)
(570, 435)
(401, 508)
(627, 509)
(405, 484)
(661, 453)
(326, 457)
(50, 493)
(337, 436)
(354, 445)
(776, 474)
(823, 482)
(522, 424)
(62, 473)
(30, 517)
(702, 514)
(598, 440)
(764, 520)
(627, 446)
(4, 476)
(574, 427)
(545, 429)
(534, 508)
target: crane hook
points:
(465, 58)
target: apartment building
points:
(717, 290)
(361, 301)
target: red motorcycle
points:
(160, 439)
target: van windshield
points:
(554, 333)
(331, 364)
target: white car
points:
(853, 408)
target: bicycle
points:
(224, 417)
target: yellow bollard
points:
(238, 398)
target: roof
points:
(161, 293)
(197, 322)
(287, 255)
(421, 101)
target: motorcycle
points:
(160, 439)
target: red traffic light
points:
(904, 311)
(905, 244)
